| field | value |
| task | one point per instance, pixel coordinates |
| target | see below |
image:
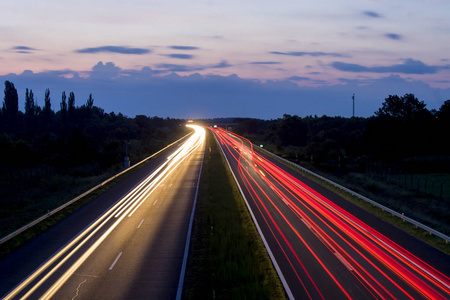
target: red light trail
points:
(307, 227)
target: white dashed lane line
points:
(139, 226)
(115, 261)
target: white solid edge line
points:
(272, 257)
(188, 239)
(139, 226)
(115, 261)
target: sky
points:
(234, 58)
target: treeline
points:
(82, 139)
(403, 133)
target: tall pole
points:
(353, 97)
(127, 159)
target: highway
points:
(322, 246)
(134, 249)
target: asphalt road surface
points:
(129, 243)
(325, 247)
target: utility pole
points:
(127, 159)
(353, 97)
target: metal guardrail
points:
(382, 207)
(31, 224)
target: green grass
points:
(227, 258)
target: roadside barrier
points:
(31, 224)
(382, 207)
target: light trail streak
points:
(382, 267)
(125, 206)
(393, 248)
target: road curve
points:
(322, 250)
(132, 250)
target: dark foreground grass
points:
(28, 234)
(227, 258)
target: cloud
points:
(372, 14)
(179, 56)
(265, 63)
(394, 36)
(183, 48)
(221, 65)
(108, 70)
(317, 53)
(310, 80)
(409, 66)
(115, 49)
(299, 78)
(177, 68)
(191, 68)
(23, 49)
(148, 92)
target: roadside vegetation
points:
(28, 234)
(48, 158)
(400, 157)
(227, 259)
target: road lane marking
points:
(191, 222)
(343, 261)
(126, 204)
(139, 226)
(155, 202)
(115, 261)
(306, 223)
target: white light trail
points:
(125, 206)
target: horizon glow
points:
(51, 35)
(328, 49)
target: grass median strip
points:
(227, 258)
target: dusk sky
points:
(207, 58)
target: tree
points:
(293, 131)
(63, 104)
(407, 106)
(90, 102)
(443, 120)
(30, 109)
(11, 100)
(444, 110)
(47, 109)
(71, 104)
(47, 101)
(403, 127)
